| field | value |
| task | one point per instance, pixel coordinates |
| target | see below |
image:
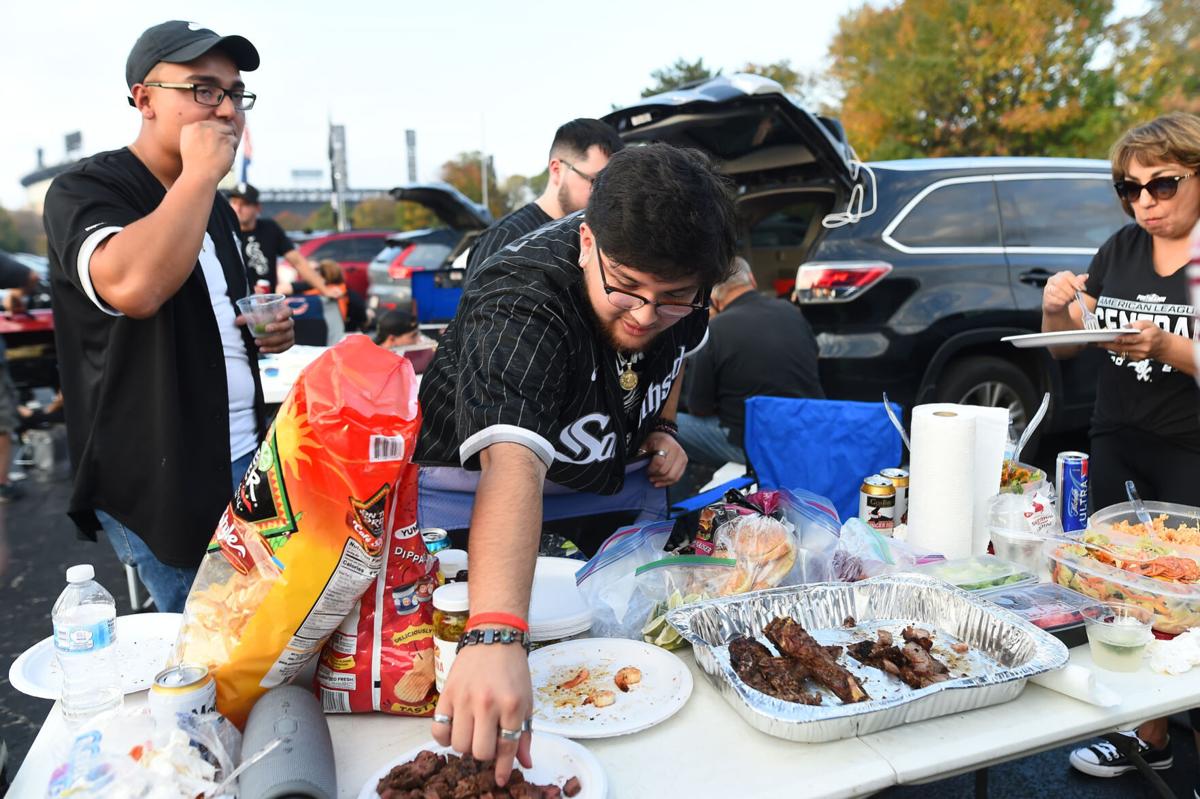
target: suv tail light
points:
(396, 269)
(837, 281)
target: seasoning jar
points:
(451, 562)
(449, 623)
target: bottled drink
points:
(85, 643)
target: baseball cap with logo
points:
(244, 191)
(178, 42)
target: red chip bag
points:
(304, 535)
(381, 657)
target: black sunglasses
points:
(1163, 188)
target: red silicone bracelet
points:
(507, 619)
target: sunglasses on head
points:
(1163, 188)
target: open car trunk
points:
(791, 167)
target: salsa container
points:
(1051, 607)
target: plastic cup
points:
(1117, 634)
(260, 310)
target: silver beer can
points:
(186, 688)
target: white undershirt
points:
(243, 428)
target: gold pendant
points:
(629, 378)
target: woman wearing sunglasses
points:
(1146, 424)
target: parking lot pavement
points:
(43, 544)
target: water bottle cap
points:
(81, 573)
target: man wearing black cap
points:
(264, 242)
(159, 375)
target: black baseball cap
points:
(178, 42)
(245, 192)
(394, 323)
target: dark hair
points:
(666, 211)
(394, 323)
(1171, 138)
(578, 135)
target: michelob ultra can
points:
(877, 503)
(1071, 481)
(186, 688)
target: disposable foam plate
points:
(557, 609)
(555, 760)
(1061, 338)
(144, 643)
(665, 687)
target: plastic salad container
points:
(980, 572)
(1055, 609)
(1112, 563)
(1021, 478)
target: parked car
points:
(352, 249)
(416, 264)
(913, 298)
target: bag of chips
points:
(381, 657)
(304, 535)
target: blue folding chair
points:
(824, 446)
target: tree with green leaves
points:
(800, 84)
(463, 173)
(678, 74)
(10, 239)
(974, 77)
(1156, 66)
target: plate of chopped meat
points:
(601, 687)
(560, 768)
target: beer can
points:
(186, 688)
(436, 539)
(877, 503)
(1071, 480)
(899, 478)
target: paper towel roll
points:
(941, 501)
(1079, 683)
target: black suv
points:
(914, 298)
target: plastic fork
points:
(1090, 320)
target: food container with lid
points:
(1180, 524)
(1117, 567)
(1055, 609)
(979, 572)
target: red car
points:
(353, 249)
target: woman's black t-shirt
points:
(1143, 395)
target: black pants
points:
(1161, 470)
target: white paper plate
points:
(557, 608)
(144, 643)
(1060, 338)
(555, 760)
(665, 687)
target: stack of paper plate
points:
(557, 609)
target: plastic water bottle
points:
(85, 643)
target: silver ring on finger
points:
(441, 718)
(527, 725)
(661, 453)
(511, 735)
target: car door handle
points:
(1035, 277)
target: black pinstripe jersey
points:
(523, 362)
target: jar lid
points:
(451, 598)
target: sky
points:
(466, 75)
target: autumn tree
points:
(10, 239)
(375, 213)
(1156, 66)
(30, 229)
(463, 173)
(320, 219)
(413, 216)
(973, 77)
(290, 220)
(678, 74)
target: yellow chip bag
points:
(303, 537)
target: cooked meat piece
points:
(600, 698)
(960, 647)
(794, 641)
(571, 787)
(575, 680)
(918, 636)
(780, 677)
(834, 652)
(454, 777)
(912, 664)
(630, 675)
(849, 622)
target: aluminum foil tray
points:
(1005, 651)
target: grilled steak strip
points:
(794, 641)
